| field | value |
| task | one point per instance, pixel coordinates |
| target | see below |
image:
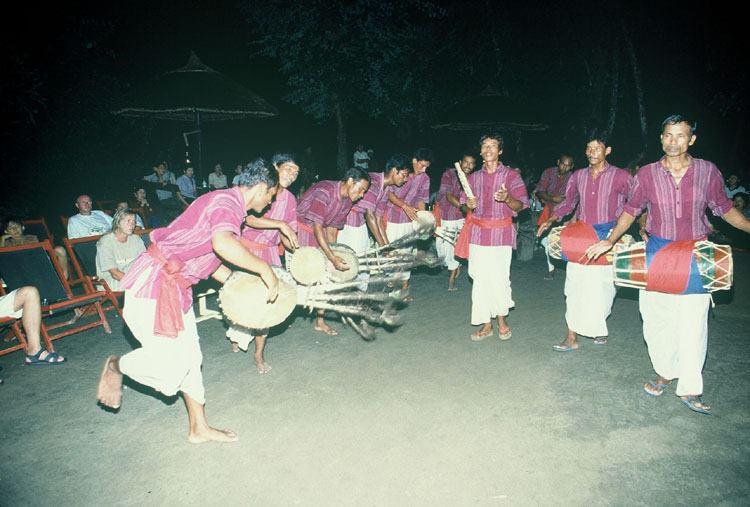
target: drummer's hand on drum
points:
(502, 194)
(410, 212)
(269, 278)
(339, 263)
(643, 234)
(597, 249)
(544, 226)
(471, 203)
(289, 233)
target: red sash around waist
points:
(462, 242)
(168, 319)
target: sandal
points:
(601, 340)
(695, 404)
(654, 388)
(506, 335)
(479, 336)
(50, 359)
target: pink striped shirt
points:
(284, 209)
(678, 212)
(484, 185)
(414, 191)
(449, 183)
(321, 204)
(189, 239)
(552, 182)
(599, 200)
(369, 201)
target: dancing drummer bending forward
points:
(262, 236)
(321, 212)
(676, 191)
(158, 297)
(599, 191)
(488, 237)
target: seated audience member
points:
(237, 173)
(733, 186)
(186, 184)
(123, 205)
(87, 222)
(14, 236)
(217, 179)
(117, 250)
(23, 303)
(162, 182)
(740, 202)
(149, 203)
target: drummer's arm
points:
(372, 224)
(227, 246)
(605, 245)
(321, 235)
(736, 219)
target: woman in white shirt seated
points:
(116, 250)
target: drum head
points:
(308, 265)
(243, 302)
(350, 257)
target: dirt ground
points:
(420, 416)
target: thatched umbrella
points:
(196, 93)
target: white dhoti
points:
(358, 239)
(445, 250)
(675, 328)
(489, 267)
(168, 365)
(396, 231)
(589, 293)
(545, 243)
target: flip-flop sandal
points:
(478, 337)
(506, 335)
(50, 359)
(600, 341)
(564, 347)
(657, 388)
(694, 403)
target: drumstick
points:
(464, 181)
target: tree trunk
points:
(342, 154)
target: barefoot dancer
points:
(600, 191)
(158, 297)
(676, 190)
(489, 237)
(451, 214)
(403, 203)
(321, 212)
(262, 237)
(363, 214)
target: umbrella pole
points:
(200, 146)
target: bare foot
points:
(109, 390)
(209, 434)
(481, 334)
(325, 328)
(263, 367)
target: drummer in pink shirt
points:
(159, 303)
(676, 191)
(262, 236)
(499, 194)
(321, 212)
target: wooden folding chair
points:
(38, 227)
(36, 264)
(64, 222)
(82, 255)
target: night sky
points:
(64, 67)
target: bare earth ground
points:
(421, 416)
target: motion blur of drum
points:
(713, 262)
(556, 250)
(309, 265)
(425, 223)
(243, 300)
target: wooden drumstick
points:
(464, 181)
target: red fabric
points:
(544, 215)
(462, 242)
(575, 238)
(669, 270)
(168, 319)
(436, 212)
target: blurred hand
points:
(471, 203)
(545, 225)
(339, 264)
(597, 249)
(502, 194)
(411, 213)
(269, 278)
(290, 235)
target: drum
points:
(350, 257)
(425, 223)
(714, 262)
(243, 301)
(309, 265)
(555, 247)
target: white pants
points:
(491, 295)
(445, 250)
(675, 328)
(589, 293)
(396, 231)
(169, 365)
(545, 243)
(358, 239)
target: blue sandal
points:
(695, 404)
(51, 358)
